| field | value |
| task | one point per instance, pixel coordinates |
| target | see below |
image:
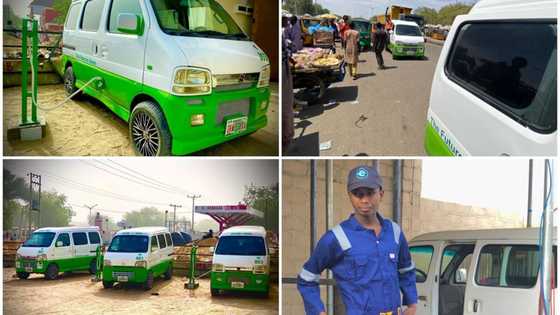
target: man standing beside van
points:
(367, 254)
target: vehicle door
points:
(162, 255)
(424, 255)
(453, 273)
(81, 250)
(63, 250)
(153, 256)
(94, 242)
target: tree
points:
(61, 6)
(54, 210)
(445, 15)
(264, 199)
(147, 216)
(14, 187)
(430, 15)
(301, 7)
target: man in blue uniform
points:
(368, 256)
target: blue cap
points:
(364, 176)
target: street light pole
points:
(90, 207)
(175, 214)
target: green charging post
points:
(98, 264)
(192, 284)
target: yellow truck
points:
(393, 12)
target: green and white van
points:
(494, 90)
(58, 249)
(241, 261)
(138, 255)
(180, 72)
(406, 40)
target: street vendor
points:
(294, 34)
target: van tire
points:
(107, 284)
(22, 275)
(215, 292)
(149, 281)
(93, 267)
(69, 80)
(52, 272)
(142, 126)
(168, 273)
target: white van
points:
(180, 72)
(480, 272)
(138, 255)
(241, 261)
(494, 88)
(58, 249)
(406, 40)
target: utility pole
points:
(166, 225)
(90, 207)
(193, 197)
(34, 179)
(175, 214)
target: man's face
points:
(366, 200)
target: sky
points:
(500, 184)
(218, 181)
(369, 8)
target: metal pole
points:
(530, 195)
(90, 207)
(166, 218)
(547, 226)
(397, 191)
(313, 215)
(175, 214)
(24, 70)
(193, 197)
(35, 70)
(30, 203)
(330, 223)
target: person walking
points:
(342, 28)
(352, 50)
(367, 254)
(379, 42)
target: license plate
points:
(411, 52)
(122, 278)
(237, 285)
(28, 269)
(236, 125)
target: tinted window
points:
(186, 237)
(511, 66)
(92, 15)
(94, 238)
(80, 238)
(72, 17)
(161, 240)
(64, 238)
(241, 245)
(408, 30)
(39, 239)
(122, 6)
(178, 239)
(129, 244)
(521, 263)
(154, 244)
(422, 257)
(168, 239)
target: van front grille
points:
(231, 82)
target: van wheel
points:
(215, 292)
(93, 267)
(149, 281)
(70, 81)
(107, 284)
(148, 130)
(168, 273)
(264, 295)
(22, 275)
(52, 272)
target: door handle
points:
(475, 306)
(422, 298)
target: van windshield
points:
(201, 18)
(241, 245)
(129, 244)
(39, 239)
(408, 30)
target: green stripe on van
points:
(434, 145)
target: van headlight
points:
(218, 268)
(41, 257)
(141, 264)
(259, 269)
(264, 77)
(192, 81)
(107, 262)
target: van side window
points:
(72, 17)
(94, 238)
(154, 244)
(79, 238)
(422, 257)
(511, 66)
(92, 15)
(161, 240)
(121, 6)
(168, 239)
(521, 263)
(64, 238)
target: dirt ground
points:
(85, 127)
(76, 294)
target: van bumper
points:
(133, 274)
(31, 265)
(251, 282)
(217, 108)
(434, 144)
(408, 51)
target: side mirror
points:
(461, 276)
(130, 24)
(211, 250)
(59, 244)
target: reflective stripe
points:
(396, 232)
(309, 276)
(341, 237)
(409, 268)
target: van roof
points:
(252, 230)
(401, 22)
(146, 230)
(533, 9)
(68, 229)
(494, 234)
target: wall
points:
(244, 21)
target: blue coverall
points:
(369, 270)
